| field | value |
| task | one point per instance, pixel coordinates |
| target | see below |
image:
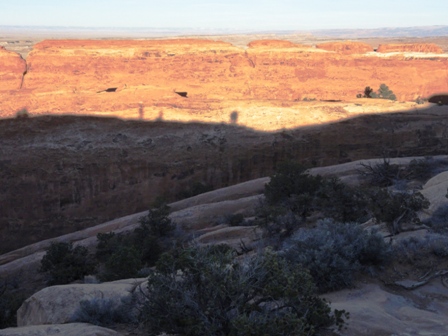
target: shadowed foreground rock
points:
(72, 329)
(376, 311)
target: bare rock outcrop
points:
(236, 237)
(58, 304)
(71, 329)
(206, 215)
(410, 47)
(377, 311)
(436, 190)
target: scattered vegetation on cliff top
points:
(383, 92)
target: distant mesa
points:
(273, 44)
(346, 47)
(441, 99)
(410, 47)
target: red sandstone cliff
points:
(273, 44)
(71, 76)
(346, 47)
(410, 47)
(12, 67)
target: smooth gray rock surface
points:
(71, 329)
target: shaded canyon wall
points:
(61, 174)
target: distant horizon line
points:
(165, 32)
(217, 29)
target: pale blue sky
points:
(228, 14)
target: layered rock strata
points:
(12, 69)
(410, 47)
(120, 77)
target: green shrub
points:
(109, 243)
(22, 114)
(105, 312)
(393, 208)
(64, 264)
(367, 92)
(156, 222)
(385, 93)
(438, 222)
(385, 174)
(335, 252)
(196, 188)
(235, 219)
(292, 187)
(123, 255)
(124, 263)
(419, 169)
(113, 251)
(279, 224)
(10, 302)
(155, 234)
(382, 174)
(204, 291)
(290, 179)
(341, 202)
(413, 248)
(293, 195)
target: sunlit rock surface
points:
(140, 78)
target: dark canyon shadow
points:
(59, 174)
(439, 99)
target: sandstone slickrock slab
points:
(435, 191)
(202, 216)
(240, 190)
(71, 329)
(78, 236)
(375, 311)
(57, 304)
(232, 236)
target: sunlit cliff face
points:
(269, 85)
